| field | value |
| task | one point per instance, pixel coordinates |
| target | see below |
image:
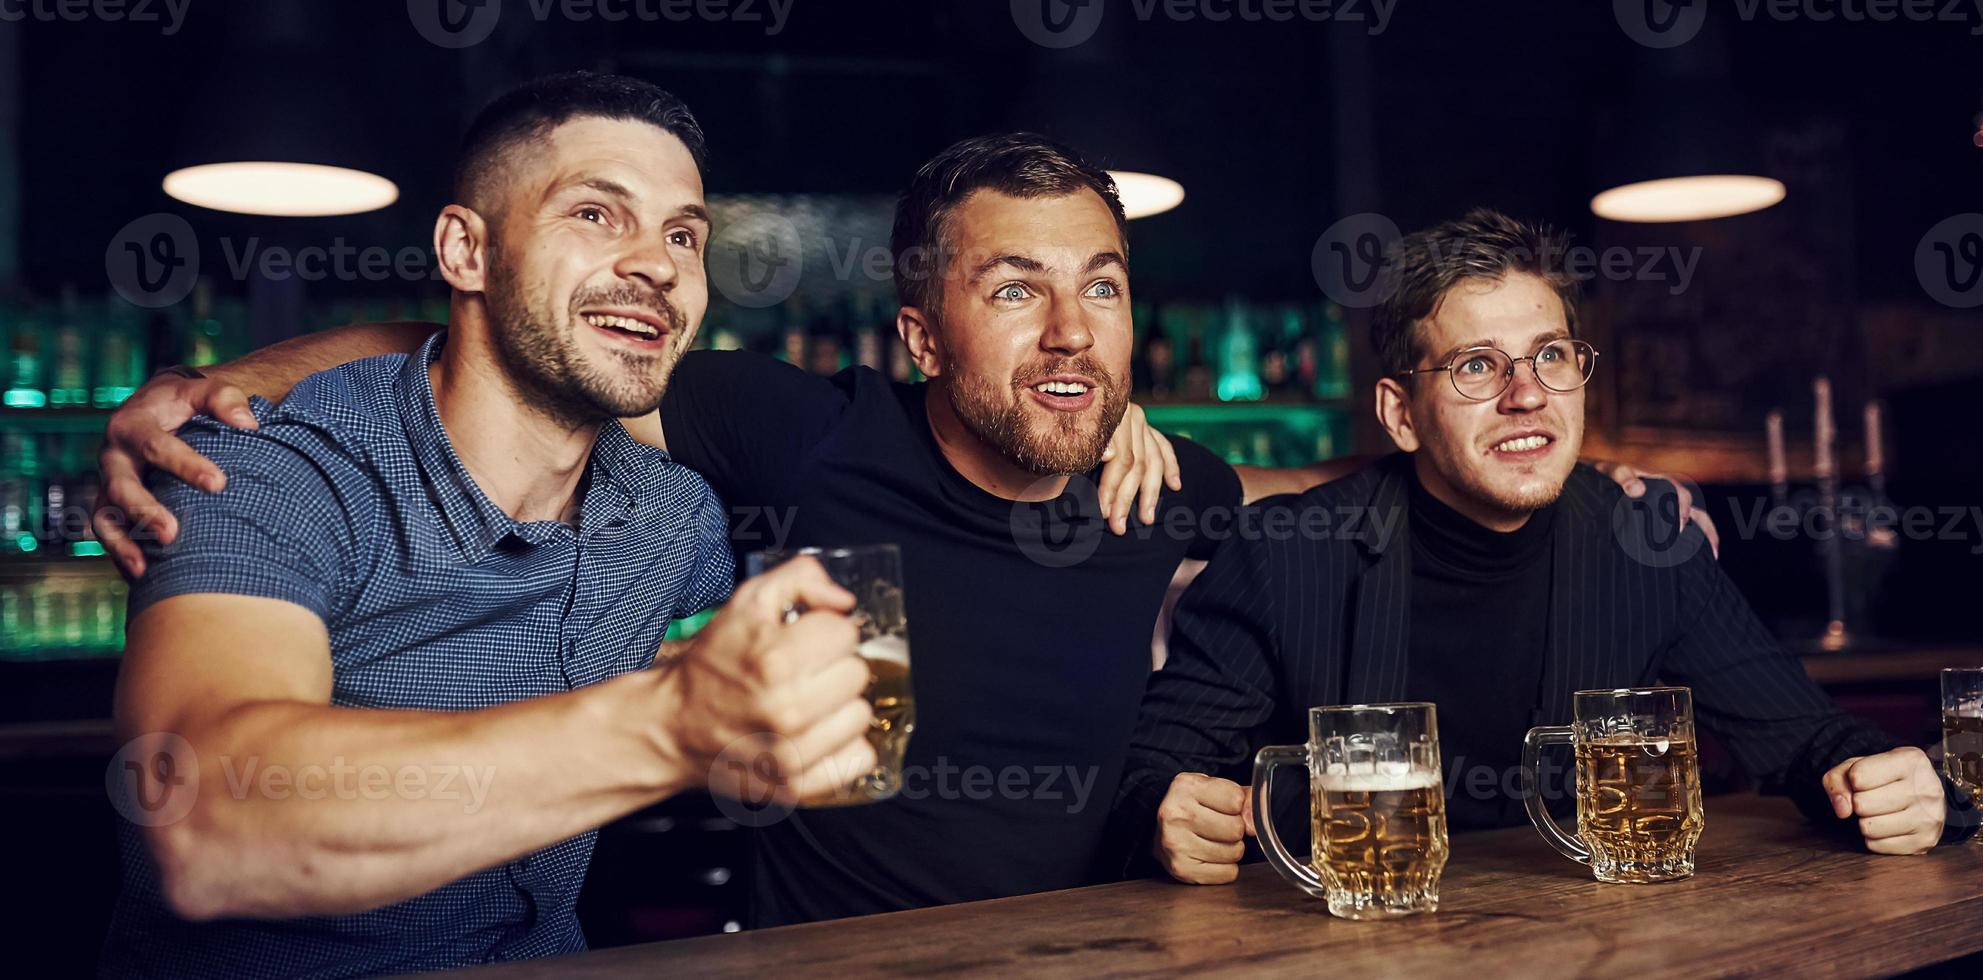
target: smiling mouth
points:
(639, 327)
(1066, 389)
(1523, 444)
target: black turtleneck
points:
(1479, 620)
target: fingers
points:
(1837, 789)
(116, 543)
(1115, 473)
(1909, 832)
(1875, 771)
(1706, 524)
(832, 775)
(830, 735)
(813, 643)
(168, 452)
(800, 582)
(1173, 476)
(1152, 484)
(230, 405)
(1195, 872)
(1624, 475)
(1221, 795)
(1683, 500)
(1251, 830)
(1891, 798)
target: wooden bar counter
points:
(1770, 896)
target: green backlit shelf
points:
(63, 421)
(1262, 433)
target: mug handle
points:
(1545, 824)
(1299, 872)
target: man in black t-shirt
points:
(1030, 623)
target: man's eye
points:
(1550, 354)
(1106, 289)
(1011, 292)
(594, 215)
(1475, 365)
(683, 237)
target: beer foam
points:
(1338, 781)
(893, 649)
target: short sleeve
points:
(745, 421)
(715, 572)
(281, 529)
(1210, 484)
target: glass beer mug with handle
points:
(1638, 784)
(1962, 728)
(873, 573)
(1377, 811)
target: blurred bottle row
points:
(61, 616)
(1231, 352)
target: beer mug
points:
(873, 573)
(1638, 777)
(1962, 728)
(1377, 809)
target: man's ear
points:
(1394, 412)
(917, 335)
(461, 245)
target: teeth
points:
(1062, 388)
(1523, 444)
(626, 323)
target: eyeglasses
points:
(1481, 373)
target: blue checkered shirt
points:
(350, 501)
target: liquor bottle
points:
(67, 385)
(1333, 377)
(1239, 367)
(795, 332)
(120, 365)
(24, 365)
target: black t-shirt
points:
(1029, 629)
(1480, 604)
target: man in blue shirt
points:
(389, 679)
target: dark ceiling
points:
(1275, 129)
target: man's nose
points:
(650, 260)
(1067, 332)
(1525, 391)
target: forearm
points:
(273, 370)
(1262, 481)
(312, 810)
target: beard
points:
(1506, 493)
(1073, 441)
(547, 364)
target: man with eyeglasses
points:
(1484, 570)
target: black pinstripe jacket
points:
(1308, 603)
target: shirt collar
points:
(615, 474)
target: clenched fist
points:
(1202, 826)
(770, 710)
(1897, 797)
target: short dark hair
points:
(536, 107)
(1484, 244)
(1019, 164)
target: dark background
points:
(1276, 130)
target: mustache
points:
(631, 296)
(1085, 365)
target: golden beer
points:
(1962, 749)
(1376, 809)
(1379, 841)
(1639, 806)
(894, 704)
(1638, 771)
